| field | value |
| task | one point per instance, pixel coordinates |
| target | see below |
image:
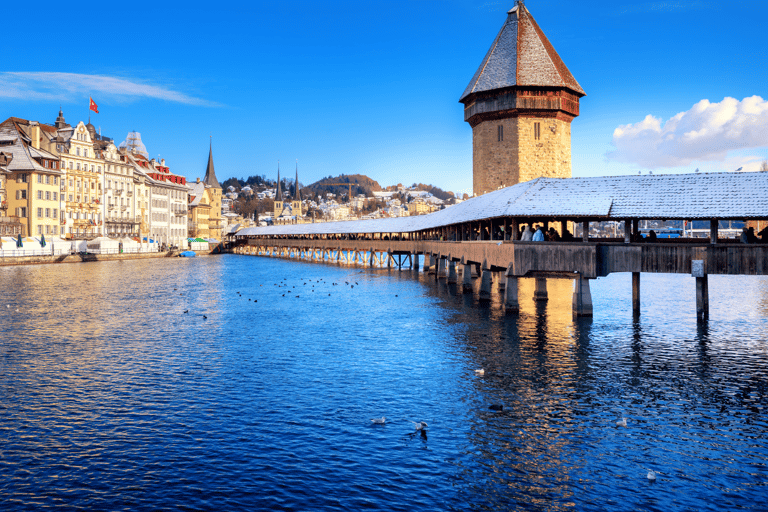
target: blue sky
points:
(373, 87)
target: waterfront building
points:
(32, 179)
(9, 226)
(205, 199)
(161, 199)
(83, 188)
(121, 218)
(520, 104)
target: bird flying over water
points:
(420, 425)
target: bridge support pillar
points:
(502, 282)
(485, 283)
(466, 280)
(582, 297)
(452, 277)
(440, 272)
(702, 298)
(427, 257)
(540, 292)
(636, 293)
(511, 301)
(415, 262)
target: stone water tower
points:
(520, 104)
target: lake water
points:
(114, 397)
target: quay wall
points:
(80, 258)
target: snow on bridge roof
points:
(741, 195)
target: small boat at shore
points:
(187, 254)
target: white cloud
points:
(50, 86)
(705, 133)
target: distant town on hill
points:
(335, 197)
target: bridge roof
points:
(672, 196)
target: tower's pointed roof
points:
(210, 174)
(298, 193)
(279, 192)
(521, 55)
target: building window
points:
(501, 133)
(39, 178)
(55, 214)
(21, 194)
(47, 180)
(85, 153)
(78, 166)
(55, 196)
(537, 131)
(55, 229)
(39, 213)
(39, 194)
(70, 165)
(46, 163)
(55, 180)
(70, 198)
(54, 165)
(39, 229)
(47, 196)
(78, 151)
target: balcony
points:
(129, 193)
(118, 191)
(123, 208)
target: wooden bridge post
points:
(702, 298)
(582, 298)
(452, 278)
(466, 281)
(426, 261)
(485, 283)
(636, 293)
(540, 292)
(371, 258)
(585, 231)
(713, 225)
(415, 262)
(699, 271)
(440, 273)
(502, 281)
(511, 301)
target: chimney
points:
(34, 134)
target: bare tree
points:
(764, 166)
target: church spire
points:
(298, 193)
(278, 192)
(210, 174)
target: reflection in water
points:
(260, 396)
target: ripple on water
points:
(114, 398)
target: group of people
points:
(748, 236)
(528, 234)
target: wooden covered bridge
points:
(483, 233)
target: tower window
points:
(537, 131)
(501, 133)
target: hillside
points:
(361, 185)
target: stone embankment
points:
(84, 258)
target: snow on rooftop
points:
(672, 196)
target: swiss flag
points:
(93, 106)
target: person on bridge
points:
(552, 235)
(527, 234)
(538, 236)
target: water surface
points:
(246, 383)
